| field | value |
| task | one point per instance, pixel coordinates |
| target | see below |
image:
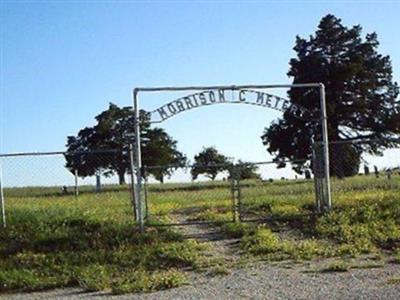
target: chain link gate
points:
(189, 202)
(262, 198)
(234, 197)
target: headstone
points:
(389, 173)
(98, 183)
(64, 190)
(376, 171)
(366, 170)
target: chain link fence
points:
(36, 185)
(361, 169)
(62, 184)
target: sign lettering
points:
(212, 97)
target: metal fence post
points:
(239, 199)
(233, 196)
(2, 200)
(316, 166)
(76, 183)
(324, 124)
(146, 204)
(138, 161)
(235, 192)
(133, 189)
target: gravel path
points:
(263, 281)
(258, 280)
(221, 248)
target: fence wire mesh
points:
(187, 200)
(273, 196)
(245, 191)
(43, 186)
(59, 185)
(360, 169)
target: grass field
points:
(53, 240)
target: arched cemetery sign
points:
(220, 96)
(210, 95)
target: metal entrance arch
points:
(139, 204)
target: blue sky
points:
(63, 62)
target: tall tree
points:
(360, 92)
(114, 130)
(209, 162)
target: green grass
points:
(90, 242)
(394, 280)
(397, 256)
(55, 240)
(365, 219)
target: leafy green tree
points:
(88, 151)
(361, 98)
(209, 162)
(161, 153)
(246, 170)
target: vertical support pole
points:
(138, 161)
(235, 191)
(76, 184)
(318, 176)
(233, 195)
(239, 199)
(133, 189)
(324, 124)
(3, 206)
(146, 204)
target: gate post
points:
(318, 175)
(146, 203)
(133, 189)
(138, 162)
(235, 192)
(327, 203)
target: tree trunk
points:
(121, 177)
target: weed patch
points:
(394, 280)
(266, 243)
(219, 271)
